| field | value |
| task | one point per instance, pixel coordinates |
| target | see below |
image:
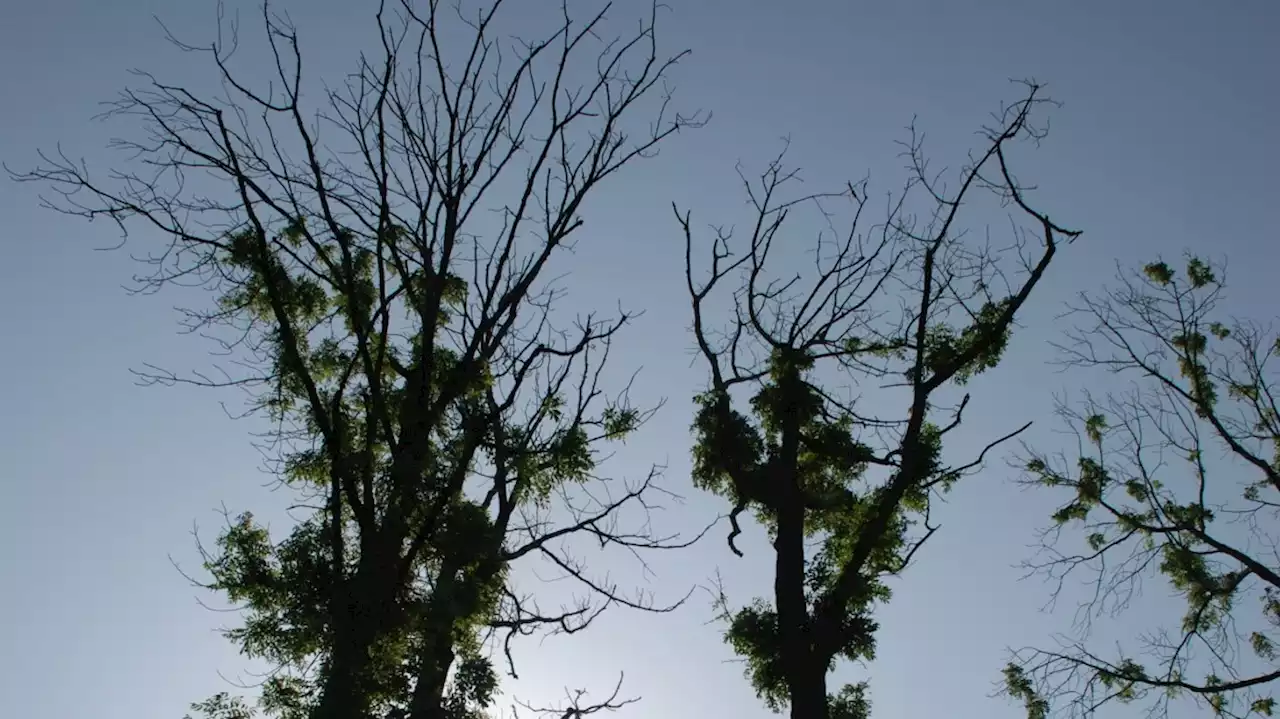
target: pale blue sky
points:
(1165, 143)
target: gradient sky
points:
(1162, 145)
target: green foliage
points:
(1159, 273)
(475, 688)
(850, 703)
(1094, 426)
(1199, 274)
(725, 442)
(620, 421)
(1123, 681)
(284, 589)
(1019, 686)
(986, 333)
(222, 706)
(287, 696)
(753, 633)
(1263, 646)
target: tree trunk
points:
(809, 692)
(343, 695)
(806, 677)
(363, 609)
(428, 693)
(436, 656)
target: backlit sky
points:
(1165, 143)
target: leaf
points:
(1198, 273)
(1159, 273)
(1094, 426)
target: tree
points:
(378, 257)
(1173, 478)
(907, 302)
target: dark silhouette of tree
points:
(906, 302)
(1172, 479)
(379, 259)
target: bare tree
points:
(1171, 479)
(379, 264)
(906, 304)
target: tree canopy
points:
(379, 265)
(906, 302)
(1173, 481)
(377, 258)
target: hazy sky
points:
(1162, 145)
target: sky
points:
(1162, 145)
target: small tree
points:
(1173, 478)
(905, 299)
(379, 264)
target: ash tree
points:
(1174, 482)
(795, 428)
(377, 257)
